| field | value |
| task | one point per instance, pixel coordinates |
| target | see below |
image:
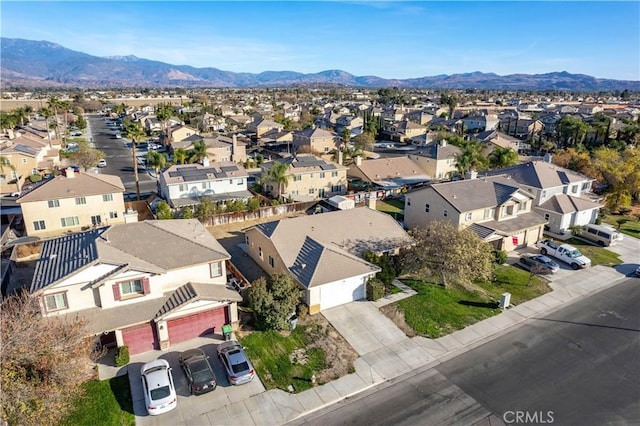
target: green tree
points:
(163, 211)
(81, 123)
(451, 101)
(85, 156)
(278, 174)
(253, 204)
(157, 160)
(5, 162)
(180, 155)
(364, 141)
(54, 105)
(43, 362)
(273, 301)
(458, 256)
(164, 112)
(621, 172)
(470, 158)
(571, 130)
(206, 209)
(502, 157)
(345, 136)
(198, 152)
(134, 131)
(186, 212)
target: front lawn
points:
(632, 227)
(105, 402)
(281, 361)
(391, 206)
(437, 311)
(598, 255)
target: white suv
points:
(157, 385)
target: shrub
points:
(500, 257)
(253, 204)
(375, 289)
(122, 357)
(35, 178)
(598, 221)
(386, 263)
(303, 311)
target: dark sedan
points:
(197, 368)
(539, 263)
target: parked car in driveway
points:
(197, 369)
(539, 263)
(157, 385)
(235, 361)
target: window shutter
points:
(116, 291)
(145, 286)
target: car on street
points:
(638, 271)
(235, 361)
(157, 385)
(102, 163)
(539, 263)
(76, 133)
(197, 369)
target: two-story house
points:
(323, 253)
(495, 207)
(561, 195)
(184, 184)
(391, 174)
(437, 159)
(144, 285)
(73, 202)
(316, 140)
(308, 178)
(27, 155)
(261, 126)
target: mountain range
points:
(28, 63)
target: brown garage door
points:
(189, 327)
(139, 338)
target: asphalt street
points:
(118, 156)
(577, 366)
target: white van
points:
(601, 235)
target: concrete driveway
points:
(364, 326)
(191, 409)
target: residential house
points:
(316, 140)
(496, 208)
(276, 137)
(238, 122)
(391, 174)
(420, 117)
(219, 148)
(211, 123)
(323, 252)
(308, 178)
(73, 202)
(28, 155)
(184, 184)
(437, 159)
(262, 126)
(405, 130)
(481, 123)
(492, 139)
(181, 132)
(563, 197)
(349, 122)
(145, 285)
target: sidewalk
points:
(384, 358)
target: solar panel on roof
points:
(229, 168)
(328, 166)
(192, 178)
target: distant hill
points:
(44, 64)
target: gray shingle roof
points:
(61, 187)
(192, 292)
(540, 174)
(563, 203)
(519, 223)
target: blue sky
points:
(389, 39)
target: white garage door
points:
(341, 292)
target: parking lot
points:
(190, 409)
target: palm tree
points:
(135, 132)
(180, 155)
(502, 157)
(55, 104)
(156, 160)
(278, 174)
(164, 113)
(198, 152)
(470, 158)
(5, 162)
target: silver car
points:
(235, 361)
(157, 385)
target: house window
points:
(130, 288)
(336, 188)
(445, 212)
(546, 217)
(239, 181)
(260, 252)
(24, 161)
(544, 194)
(53, 203)
(586, 186)
(326, 149)
(107, 197)
(215, 269)
(408, 201)
(183, 187)
(69, 221)
(81, 200)
(574, 189)
(322, 175)
(56, 302)
(96, 220)
(204, 185)
(468, 216)
(113, 215)
(426, 208)
(312, 191)
(271, 262)
(334, 174)
(230, 181)
(522, 206)
(246, 240)
(489, 213)
(297, 178)
(39, 225)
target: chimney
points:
(358, 160)
(11, 134)
(69, 172)
(471, 174)
(443, 143)
(205, 161)
(340, 158)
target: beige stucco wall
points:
(313, 180)
(256, 240)
(414, 209)
(40, 210)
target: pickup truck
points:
(564, 252)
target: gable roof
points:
(153, 245)
(81, 184)
(180, 173)
(472, 194)
(390, 171)
(314, 133)
(540, 174)
(304, 163)
(326, 247)
(438, 151)
(193, 292)
(564, 203)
